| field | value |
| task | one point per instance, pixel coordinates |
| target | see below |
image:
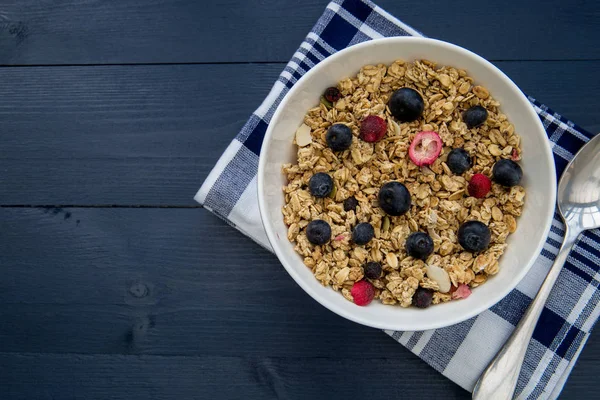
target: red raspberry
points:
(515, 155)
(479, 186)
(461, 292)
(373, 129)
(425, 148)
(362, 292)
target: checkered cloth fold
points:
(462, 351)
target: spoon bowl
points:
(579, 189)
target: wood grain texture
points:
(186, 31)
(149, 135)
(51, 376)
(155, 281)
(92, 285)
(171, 303)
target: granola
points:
(440, 198)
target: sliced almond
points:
(396, 128)
(439, 275)
(303, 137)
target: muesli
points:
(406, 185)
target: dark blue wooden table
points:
(114, 284)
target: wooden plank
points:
(73, 376)
(148, 124)
(185, 31)
(161, 281)
(50, 376)
(581, 383)
(155, 281)
(149, 135)
(190, 329)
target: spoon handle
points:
(499, 380)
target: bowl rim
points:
(394, 325)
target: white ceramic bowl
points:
(538, 166)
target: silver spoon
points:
(579, 206)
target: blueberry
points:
(372, 270)
(320, 184)
(406, 104)
(318, 232)
(422, 297)
(419, 245)
(507, 173)
(474, 236)
(363, 233)
(475, 116)
(350, 204)
(459, 161)
(394, 198)
(339, 137)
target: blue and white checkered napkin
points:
(462, 351)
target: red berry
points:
(479, 186)
(461, 292)
(373, 129)
(362, 292)
(515, 155)
(425, 148)
(332, 94)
